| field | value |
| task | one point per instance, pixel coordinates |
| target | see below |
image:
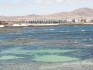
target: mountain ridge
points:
(78, 13)
(81, 12)
(88, 12)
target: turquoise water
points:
(46, 44)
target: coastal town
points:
(44, 22)
(79, 16)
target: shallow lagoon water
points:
(44, 55)
(54, 58)
(60, 44)
(9, 57)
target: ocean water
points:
(35, 46)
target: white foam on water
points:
(83, 30)
(89, 45)
(64, 31)
(50, 29)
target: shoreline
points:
(44, 25)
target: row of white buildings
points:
(23, 21)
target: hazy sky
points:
(26, 7)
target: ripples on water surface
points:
(60, 44)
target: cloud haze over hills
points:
(59, 1)
(40, 7)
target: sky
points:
(40, 7)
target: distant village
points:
(78, 16)
(42, 22)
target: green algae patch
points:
(51, 51)
(9, 57)
(19, 50)
(40, 54)
(54, 58)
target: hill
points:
(87, 12)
